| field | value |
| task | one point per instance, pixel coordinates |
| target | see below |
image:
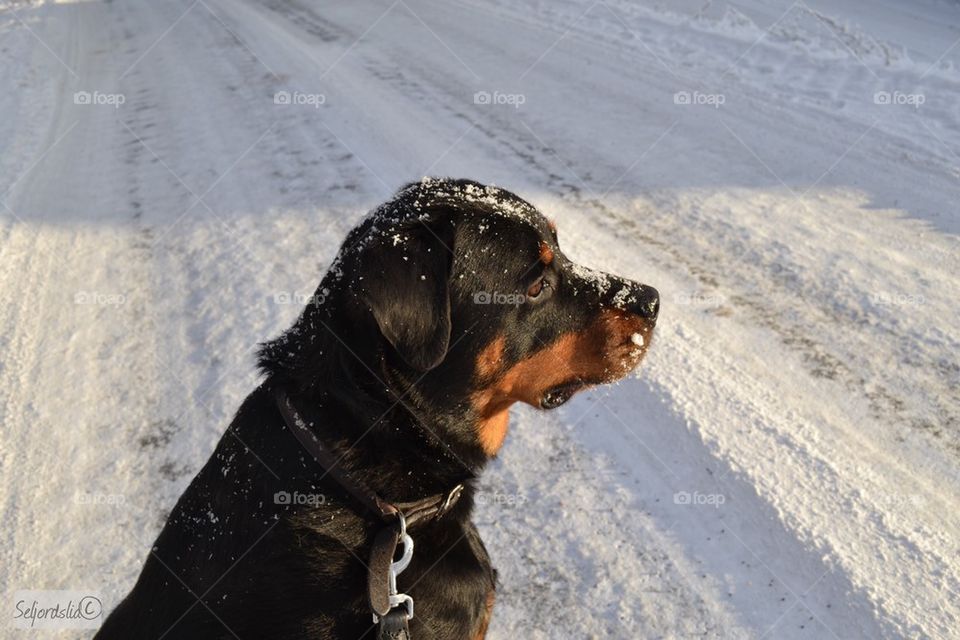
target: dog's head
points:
(457, 296)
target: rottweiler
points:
(444, 307)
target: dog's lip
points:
(560, 394)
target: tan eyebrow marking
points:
(546, 253)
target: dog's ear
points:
(405, 283)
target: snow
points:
(783, 465)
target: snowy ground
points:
(786, 464)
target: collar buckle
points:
(451, 500)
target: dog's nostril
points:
(645, 302)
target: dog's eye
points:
(536, 288)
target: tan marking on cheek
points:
(493, 420)
(527, 380)
(493, 431)
(602, 352)
(546, 253)
(490, 359)
(524, 381)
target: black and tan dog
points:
(444, 307)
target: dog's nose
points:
(647, 304)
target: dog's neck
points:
(446, 431)
(387, 433)
(362, 403)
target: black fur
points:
(381, 364)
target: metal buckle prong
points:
(396, 568)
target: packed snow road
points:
(175, 176)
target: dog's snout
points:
(648, 303)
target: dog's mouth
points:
(624, 357)
(560, 394)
